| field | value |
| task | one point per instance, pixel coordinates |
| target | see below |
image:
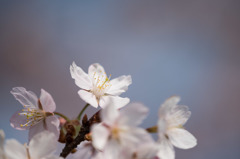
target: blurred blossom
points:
(38, 147)
(171, 133)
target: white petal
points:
(96, 70)
(88, 97)
(147, 151)
(100, 136)
(26, 98)
(127, 139)
(166, 150)
(82, 79)
(181, 138)
(168, 105)
(16, 120)
(15, 150)
(162, 127)
(42, 145)
(47, 101)
(109, 114)
(116, 101)
(142, 134)
(172, 100)
(134, 136)
(134, 114)
(178, 115)
(112, 150)
(119, 85)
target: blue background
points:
(188, 48)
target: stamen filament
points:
(33, 116)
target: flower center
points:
(115, 133)
(101, 84)
(33, 116)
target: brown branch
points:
(85, 129)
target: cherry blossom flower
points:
(37, 114)
(97, 88)
(41, 146)
(119, 129)
(171, 133)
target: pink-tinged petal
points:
(42, 145)
(26, 98)
(127, 152)
(181, 138)
(82, 79)
(96, 70)
(88, 98)
(51, 124)
(16, 120)
(47, 101)
(99, 155)
(116, 101)
(100, 136)
(134, 114)
(166, 150)
(35, 129)
(15, 150)
(119, 85)
(109, 114)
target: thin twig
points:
(85, 129)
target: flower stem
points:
(61, 115)
(152, 129)
(80, 114)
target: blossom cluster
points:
(113, 132)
